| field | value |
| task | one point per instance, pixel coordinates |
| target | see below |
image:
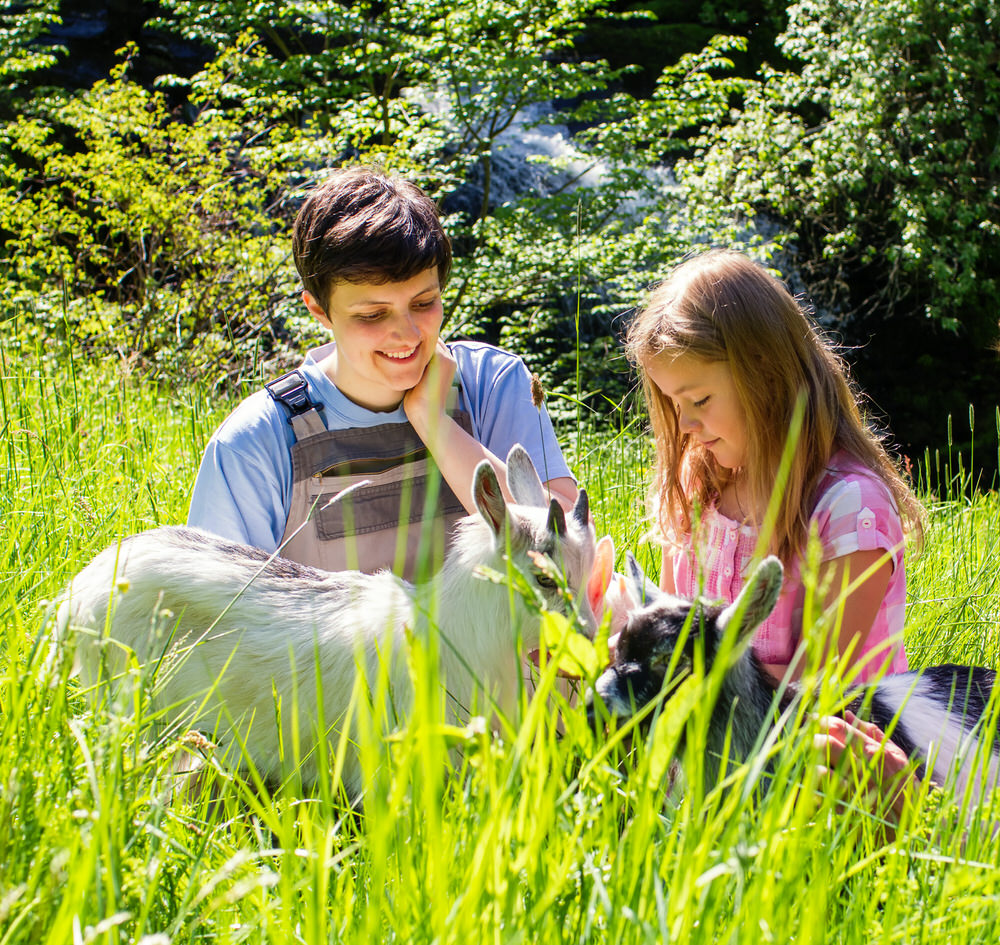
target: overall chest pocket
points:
(394, 497)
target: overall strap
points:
(292, 392)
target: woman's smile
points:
(401, 355)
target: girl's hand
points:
(425, 403)
(852, 743)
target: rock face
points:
(92, 32)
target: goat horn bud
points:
(557, 519)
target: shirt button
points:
(728, 572)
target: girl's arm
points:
(891, 772)
(859, 607)
(456, 453)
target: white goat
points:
(229, 630)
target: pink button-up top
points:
(854, 511)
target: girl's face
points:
(386, 333)
(708, 407)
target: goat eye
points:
(543, 580)
(663, 653)
(660, 659)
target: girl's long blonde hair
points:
(723, 306)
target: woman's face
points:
(708, 407)
(386, 334)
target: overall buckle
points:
(292, 392)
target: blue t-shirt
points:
(244, 486)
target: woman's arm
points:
(456, 453)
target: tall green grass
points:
(543, 833)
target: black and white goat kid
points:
(943, 717)
(234, 633)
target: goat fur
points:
(229, 631)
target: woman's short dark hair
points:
(363, 225)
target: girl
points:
(724, 352)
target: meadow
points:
(541, 833)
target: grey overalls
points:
(380, 524)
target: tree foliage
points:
(21, 56)
(162, 232)
(143, 234)
(153, 220)
(880, 149)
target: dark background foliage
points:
(154, 154)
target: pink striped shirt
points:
(854, 511)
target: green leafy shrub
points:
(143, 233)
(161, 233)
(20, 55)
(880, 150)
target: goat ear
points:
(757, 599)
(488, 496)
(601, 575)
(522, 479)
(644, 591)
(557, 519)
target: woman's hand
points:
(425, 403)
